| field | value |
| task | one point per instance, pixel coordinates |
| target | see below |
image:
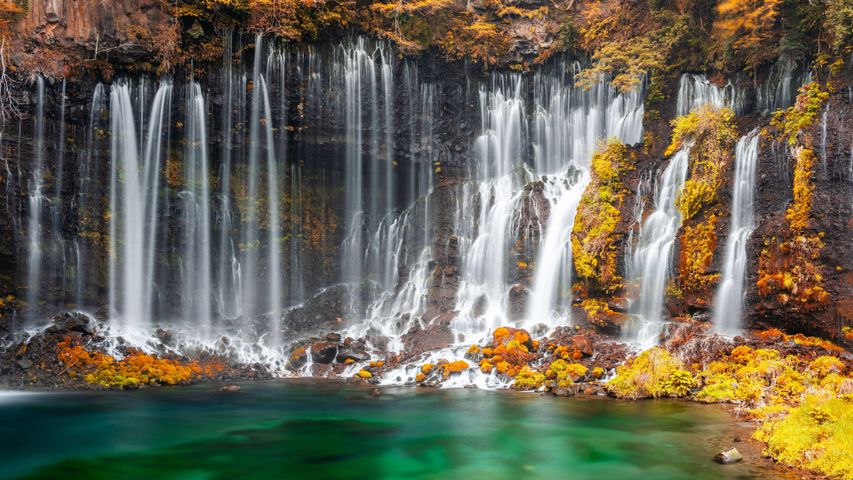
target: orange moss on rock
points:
(791, 272)
(510, 350)
(135, 370)
(452, 368)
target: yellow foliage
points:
(746, 27)
(598, 216)
(625, 55)
(565, 373)
(825, 365)
(712, 133)
(817, 435)
(654, 373)
(798, 213)
(794, 123)
(528, 379)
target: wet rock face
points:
(435, 336)
(322, 313)
(87, 23)
(830, 218)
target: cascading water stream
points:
(36, 204)
(274, 218)
(134, 186)
(651, 260)
(228, 264)
(196, 258)
(481, 300)
(728, 302)
(695, 91)
(568, 126)
(216, 245)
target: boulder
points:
(435, 336)
(728, 457)
(583, 344)
(72, 322)
(324, 352)
(230, 388)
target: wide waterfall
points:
(651, 260)
(216, 212)
(566, 127)
(728, 303)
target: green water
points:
(315, 430)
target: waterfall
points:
(134, 186)
(695, 91)
(36, 203)
(481, 300)
(358, 74)
(58, 262)
(228, 264)
(651, 259)
(553, 264)
(569, 125)
(84, 203)
(274, 218)
(250, 242)
(728, 302)
(196, 258)
(780, 87)
(264, 189)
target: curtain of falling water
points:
(728, 302)
(652, 256)
(36, 200)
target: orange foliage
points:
(451, 368)
(747, 27)
(698, 244)
(510, 351)
(791, 270)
